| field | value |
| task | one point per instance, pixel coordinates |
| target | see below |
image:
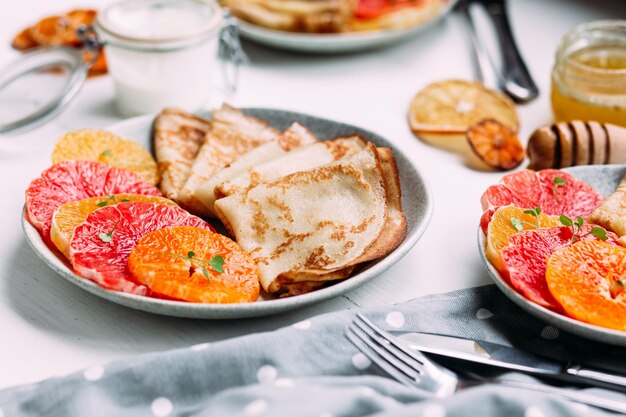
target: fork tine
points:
(378, 360)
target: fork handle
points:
(575, 396)
(593, 375)
(516, 79)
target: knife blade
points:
(511, 359)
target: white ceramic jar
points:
(161, 53)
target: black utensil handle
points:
(517, 80)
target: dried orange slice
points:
(23, 41)
(451, 107)
(69, 215)
(61, 30)
(587, 279)
(495, 144)
(501, 228)
(196, 265)
(99, 145)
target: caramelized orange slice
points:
(23, 41)
(495, 144)
(588, 280)
(61, 30)
(193, 264)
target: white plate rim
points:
(579, 328)
(231, 311)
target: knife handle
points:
(609, 380)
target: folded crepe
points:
(294, 137)
(294, 15)
(232, 135)
(322, 219)
(612, 213)
(177, 138)
(306, 157)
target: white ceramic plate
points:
(605, 180)
(416, 200)
(333, 43)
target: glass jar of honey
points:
(589, 75)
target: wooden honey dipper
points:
(577, 143)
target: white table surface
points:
(49, 327)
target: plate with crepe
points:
(279, 199)
(334, 26)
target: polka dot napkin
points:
(311, 369)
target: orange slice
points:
(495, 144)
(99, 145)
(453, 106)
(196, 265)
(69, 215)
(501, 228)
(587, 279)
(61, 30)
(23, 41)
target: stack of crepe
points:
(307, 211)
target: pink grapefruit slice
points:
(76, 180)
(526, 256)
(101, 245)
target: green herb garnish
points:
(557, 182)
(108, 237)
(576, 226)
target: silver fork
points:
(413, 369)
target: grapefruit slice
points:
(76, 180)
(501, 229)
(587, 279)
(100, 246)
(525, 259)
(196, 265)
(555, 191)
(99, 145)
(67, 217)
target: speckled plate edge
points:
(604, 178)
(335, 43)
(417, 201)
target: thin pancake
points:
(232, 135)
(177, 138)
(294, 137)
(340, 210)
(612, 213)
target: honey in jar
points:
(589, 75)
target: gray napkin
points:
(311, 369)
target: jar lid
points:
(38, 86)
(158, 24)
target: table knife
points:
(511, 359)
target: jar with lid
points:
(589, 74)
(160, 52)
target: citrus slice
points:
(525, 259)
(70, 215)
(61, 30)
(76, 180)
(100, 246)
(495, 144)
(196, 265)
(451, 107)
(23, 41)
(587, 279)
(555, 191)
(103, 146)
(501, 229)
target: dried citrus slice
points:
(495, 144)
(525, 259)
(23, 41)
(196, 265)
(501, 228)
(61, 30)
(75, 180)
(67, 217)
(587, 279)
(103, 146)
(451, 107)
(100, 246)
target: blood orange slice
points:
(196, 265)
(67, 217)
(555, 191)
(501, 229)
(587, 279)
(525, 259)
(103, 146)
(100, 246)
(76, 180)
